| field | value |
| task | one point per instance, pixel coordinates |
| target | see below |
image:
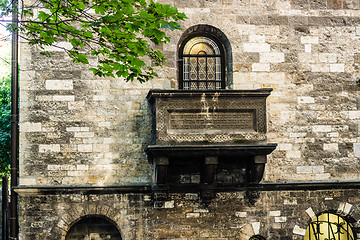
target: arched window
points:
(203, 55)
(329, 226)
(93, 228)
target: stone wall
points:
(77, 129)
(277, 215)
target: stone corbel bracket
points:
(160, 157)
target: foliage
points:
(122, 34)
(5, 114)
(5, 108)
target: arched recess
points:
(331, 215)
(220, 39)
(328, 226)
(93, 227)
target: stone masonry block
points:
(77, 129)
(321, 128)
(357, 149)
(76, 105)
(192, 215)
(307, 58)
(293, 154)
(59, 84)
(280, 219)
(285, 146)
(53, 167)
(328, 57)
(261, 67)
(305, 99)
(275, 213)
(320, 67)
(85, 148)
(257, 38)
(75, 173)
(299, 231)
(256, 227)
(331, 147)
(30, 127)
(82, 167)
(28, 181)
(304, 169)
(351, 4)
(309, 169)
(101, 147)
(99, 98)
(201, 210)
(49, 148)
(311, 213)
(309, 39)
(69, 98)
(84, 134)
(169, 204)
(354, 114)
(241, 214)
(109, 140)
(104, 124)
(322, 176)
(317, 169)
(256, 47)
(268, 30)
(337, 67)
(272, 57)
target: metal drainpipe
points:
(5, 205)
(14, 124)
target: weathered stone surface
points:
(77, 129)
(223, 218)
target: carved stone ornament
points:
(206, 129)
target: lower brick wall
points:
(276, 215)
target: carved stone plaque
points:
(232, 119)
(232, 116)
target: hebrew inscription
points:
(220, 120)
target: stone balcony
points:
(208, 139)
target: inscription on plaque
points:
(215, 120)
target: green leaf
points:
(120, 33)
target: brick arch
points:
(67, 220)
(350, 213)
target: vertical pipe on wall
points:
(5, 202)
(14, 123)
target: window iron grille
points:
(202, 64)
(329, 226)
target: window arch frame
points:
(222, 43)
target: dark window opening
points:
(93, 228)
